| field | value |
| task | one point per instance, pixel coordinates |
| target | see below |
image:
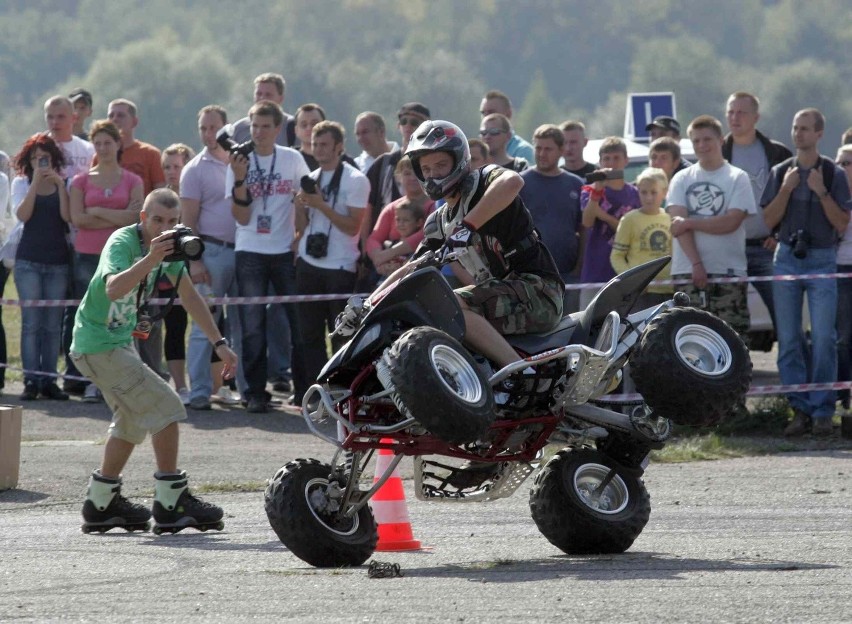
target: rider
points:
(512, 283)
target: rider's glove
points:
(459, 238)
(347, 321)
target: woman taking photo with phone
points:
(103, 199)
(41, 270)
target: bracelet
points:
(697, 263)
(222, 341)
(239, 183)
(241, 202)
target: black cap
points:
(414, 107)
(665, 122)
(79, 93)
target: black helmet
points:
(439, 136)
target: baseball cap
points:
(414, 107)
(79, 93)
(665, 122)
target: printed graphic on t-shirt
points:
(652, 238)
(705, 199)
(260, 184)
(758, 181)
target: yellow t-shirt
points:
(640, 238)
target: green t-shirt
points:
(101, 324)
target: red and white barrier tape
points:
(48, 303)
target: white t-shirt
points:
(707, 194)
(342, 248)
(78, 157)
(271, 228)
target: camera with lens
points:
(308, 184)
(316, 245)
(223, 138)
(188, 246)
(599, 175)
(799, 242)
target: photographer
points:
(807, 199)
(329, 218)
(133, 260)
(261, 182)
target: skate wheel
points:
(157, 530)
(86, 529)
(219, 526)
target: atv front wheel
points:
(584, 504)
(441, 385)
(691, 367)
(302, 511)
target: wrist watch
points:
(220, 342)
(239, 183)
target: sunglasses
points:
(491, 132)
(410, 121)
(844, 163)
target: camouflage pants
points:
(519, 304)
(727, 301)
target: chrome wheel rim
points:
(456, 373)
(611, 499)
(316, 496)
(703, 350)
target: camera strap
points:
(331, 191)
(141, 297)
(266, 181)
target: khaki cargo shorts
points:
(522, 303)
(141, 402)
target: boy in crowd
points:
(604, 202)
(644, 235)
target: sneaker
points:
(52, 391)
(225, 396)
(799, 426)
(92, 394)
(282, 385)
(183, 393)
(822, 427)
(74, 386)
(200, 404)
(257, 405)
(30, 392)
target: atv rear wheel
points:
(304, 516)
(441, 385)
(581, 508)
(691, 367)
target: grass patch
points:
(230, 487)
(704, 447)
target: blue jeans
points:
(255, 273)
(279, 341)
(760, 265)
(41, 328)
(844, 330)
(219, 261)
(82, 271)
(792, 348)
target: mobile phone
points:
(43, 162)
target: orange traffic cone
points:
(390, 510)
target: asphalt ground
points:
(756, 539)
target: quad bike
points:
(405, 383)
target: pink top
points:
(93, 241)
(385, 228)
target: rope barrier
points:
(47, 303)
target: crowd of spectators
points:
(295, 214)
